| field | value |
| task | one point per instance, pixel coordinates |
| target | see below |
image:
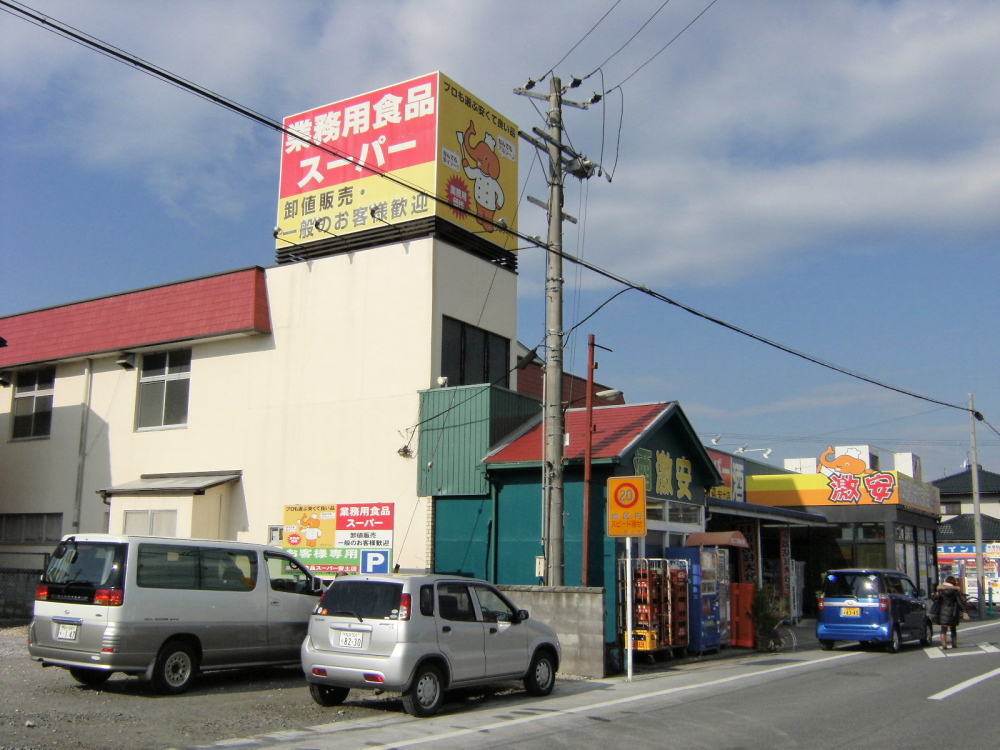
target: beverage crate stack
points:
(647, 605)
(677, 618)
(659, 603)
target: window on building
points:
(151, 522)
(33, 391)
(30, 528)
(471, 355)
(164, 384)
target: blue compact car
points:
(872, 606)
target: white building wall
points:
(314, 413)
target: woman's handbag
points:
(935, 609)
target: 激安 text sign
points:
(627, 506)
(425, 147)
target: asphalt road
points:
(851, 697)
(848, 698)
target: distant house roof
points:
(961, 483)
(222, 304)
(962, 529)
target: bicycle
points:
(783, 638)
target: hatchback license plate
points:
(350, 640)
(67, 632)
(851, 611)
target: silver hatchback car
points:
(421, 635)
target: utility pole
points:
(555, 421)
(561, 159)
(977, 519)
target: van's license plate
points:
(67, 632)
(350, 640)
(851, 611)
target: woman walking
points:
(950, 603)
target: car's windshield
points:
(98, 564)
(857, 585)
(366, 600)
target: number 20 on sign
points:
(627, 506)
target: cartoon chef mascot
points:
(485, 173)
(310, 529)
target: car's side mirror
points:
(921, 593)
(522, 615)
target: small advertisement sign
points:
(425, 147)
(342, 538)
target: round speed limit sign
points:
(627, 506)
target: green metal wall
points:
(457, 428)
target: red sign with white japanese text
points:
(365, 516)
(386, 130)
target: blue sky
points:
(826, 175)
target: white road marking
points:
(963, 685)
(596, 706)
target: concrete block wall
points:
(577, 615)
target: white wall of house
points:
(314, 413)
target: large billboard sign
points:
(425, 147)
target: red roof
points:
(232, 302)
(615, 428)
(574, 388)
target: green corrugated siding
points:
(458, 426)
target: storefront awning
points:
(716, 539)
(766, 513)
(174, 484)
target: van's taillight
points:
(404, 607)
(883, 604)
(109, 597)
(42, 593)
(822, 603)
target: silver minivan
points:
(165, 609)
(421, 635)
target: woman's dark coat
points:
(950, 605)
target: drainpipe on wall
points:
(81, 454)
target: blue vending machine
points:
(703, 603)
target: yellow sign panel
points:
(627, 506)
(425, 147)
(842, 489)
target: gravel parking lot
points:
(45, 708)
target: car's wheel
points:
(426, 692)
(328, 695)
(541, 676)
(928, 637)
(175, 668)
(826, 644)
(895, 642)
(90, 676)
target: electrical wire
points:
(563, 58)
(630, 40)
(79, 37)
(660, 51)
(86, 40)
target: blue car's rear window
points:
(856, 585)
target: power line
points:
(86, 40)
(79, 37)
(661, 50)
(629, 41)
(581, 40)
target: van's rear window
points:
(369, 600)
(86, 564)
(856, 585)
